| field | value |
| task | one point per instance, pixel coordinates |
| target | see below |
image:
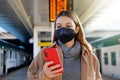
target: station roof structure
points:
(100, 18)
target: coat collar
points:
(84, 49)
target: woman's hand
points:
(51, 71)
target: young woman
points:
(77, 57)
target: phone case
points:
(51, 54)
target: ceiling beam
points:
(21, 13)
(89, 12)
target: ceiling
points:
(104, 22)
(11, 23)
(19, 17)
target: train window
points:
(113, 58)
(10, 54)
(0, 55)
(106, 58)
(14, 54)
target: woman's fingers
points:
(54, 67)
(47, 64)
(57, 71)
(51, 71)
(54, 75)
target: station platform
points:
(21, 74)
(109, 78)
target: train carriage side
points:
(10, 57)
(1, 62)
(108, 52)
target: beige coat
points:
(89, 66)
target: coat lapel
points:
(84, 64)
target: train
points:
(108, 52)
(11, 57)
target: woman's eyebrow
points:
(68, 23)
(58, 23)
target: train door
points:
(98, 54)
(1, 62)
(4, 61)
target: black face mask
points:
(65, 34)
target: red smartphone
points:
(51, 54)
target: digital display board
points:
(56, 6)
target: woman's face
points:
(65, 22)
(65, 29)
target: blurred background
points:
(27, 25)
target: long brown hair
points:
(80, 35)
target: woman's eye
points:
(58, 27)
(69, 26)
